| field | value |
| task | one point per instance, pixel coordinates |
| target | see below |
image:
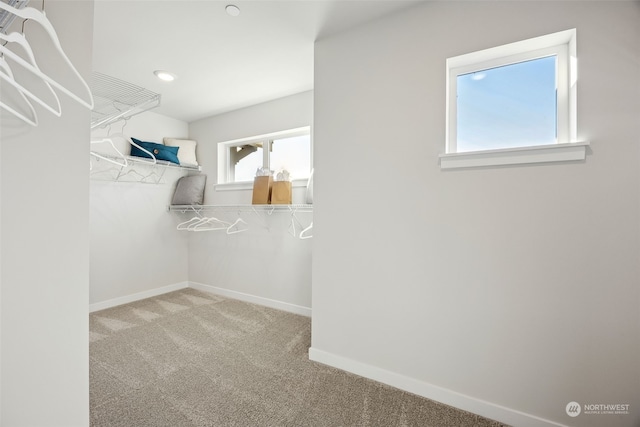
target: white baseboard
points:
(284, 306)
(137, 296)
(291, 308)
(449, 397)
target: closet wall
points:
(136, 250)
(509, 291)
(264, 264)
(44, 264)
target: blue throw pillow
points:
(162, 152)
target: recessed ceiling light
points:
(232, 10)
(165, 75)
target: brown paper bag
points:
(262, 190)
(281, 193)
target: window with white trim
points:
(518, 98)
(288, 150)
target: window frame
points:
(224, 160)
(562, 45)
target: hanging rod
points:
(243, 208)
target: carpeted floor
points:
(190, 358)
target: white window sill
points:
(248, 185)
(516, 156)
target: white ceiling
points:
(223, 63)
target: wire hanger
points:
(124, 162)
(152, 158)
(209, 221)
(29, 13)
(149, 178)
(306, 230)
(185, 225)
(234, 229)
(7, 71)
(20, 39)
(292, 224)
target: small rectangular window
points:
(287, 150)
(517, 95)
(244, 160)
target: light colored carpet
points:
(190, 358)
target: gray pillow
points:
(189, 190)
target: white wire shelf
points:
(266, 217)
(134, 160)
(242, 208)
(136, 170)
(116, 100)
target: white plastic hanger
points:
(292, 225)
(152, 158)
(38, 16)
(231, 230)
(124, 162)
(200, 226)
(150, 177)
(306, 230)
(7, 71)
(20, 39)
(185, 225)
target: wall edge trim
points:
(279, 305)
(430, 391)
(137, 296)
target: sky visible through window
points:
(292, 154)
(509, 106)
(246, 168)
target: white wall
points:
(1, 330)
(136, 250)
(45, 241)
(281, 114)
(135, 247)
(264, 262)
(507, 291)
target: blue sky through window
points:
(509, 106)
